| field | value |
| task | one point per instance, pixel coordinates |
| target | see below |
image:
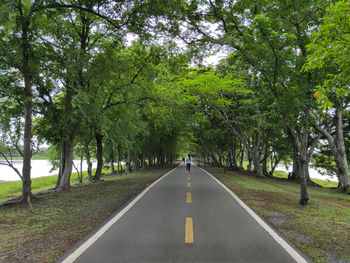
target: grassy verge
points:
(321, 230)
(53, 223)
(13, 189)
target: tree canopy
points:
(125, 82)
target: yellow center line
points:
(188, 184)
(189, 198)
(189, 231)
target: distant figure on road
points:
(188, 164)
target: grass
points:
(9, 190)
(321, 230)
(42, 231)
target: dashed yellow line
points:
(189, 231)
(188, 184)
(189, 198)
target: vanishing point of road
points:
(184, 218)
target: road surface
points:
(184, 219)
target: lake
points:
(312, 171)
(40, 168)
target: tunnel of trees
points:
(125, 82)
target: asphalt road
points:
(183, 219)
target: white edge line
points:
(83, 247)
(291, 251)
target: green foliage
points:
(329, 51)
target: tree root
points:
(21, 200)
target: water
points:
(312, 171)
(40, 168)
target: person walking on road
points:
(188, 162)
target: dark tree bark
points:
(89, 163)
(135, 162)
(65, 179)
(127, 163)
(26, 71)
(111, 158)
(99, 156)
(234, 157)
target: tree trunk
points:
(127, 164)
(89, 163)
(99, 156)
(112, 161)
(220, 159)
(341, 157)
(135, 162)
(27, 140)
(65, 180)
(249, 162)
(337, 146)
(274, 164)
(81, 169)
(295, 174)
(234, 157)
(143, 163)
(264, 161)
(242, 158)
(119, 160)
(304, 197)
(62, 163)
(257, 167)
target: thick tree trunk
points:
(99, 156)
(264, 161)
(337, 146)
(65, 179)
(341, 157)
(89, 163)
(257, 167)
(303, 149)
(62, 164)
(304, 197)
(295, 174)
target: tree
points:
(329, 52)
(271, 38)
(20, 25)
